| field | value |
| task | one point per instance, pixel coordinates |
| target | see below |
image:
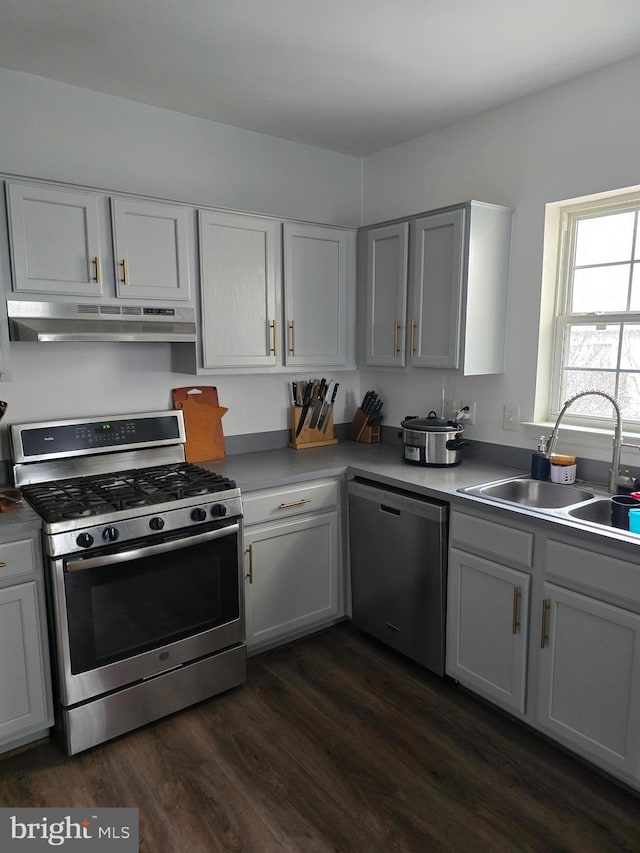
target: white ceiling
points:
(354, 76)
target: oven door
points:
(127, 614)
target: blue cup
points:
(634, 520)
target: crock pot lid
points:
(432, 423)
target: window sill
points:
(589, 442)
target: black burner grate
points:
(81, 497)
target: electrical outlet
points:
(510, 417)
(470, 421)
(450, 409)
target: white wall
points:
(56, 132)
(572, 140)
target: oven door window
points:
(126, 608)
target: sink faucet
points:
(616, 479)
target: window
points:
(597, 322)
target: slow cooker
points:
(432, 441)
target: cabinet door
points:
(239, 269)
(435, 289)
(151, 250)
(55, 243)
(387, 294)
(291, 572)
(318, 263)
(487, 628)
(589, 677)
(23, 704)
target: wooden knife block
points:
(310, 437)
(359, 429)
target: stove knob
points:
(156, 523)
(218, 510)
(198, 514)
(110, 534)
(84, 540)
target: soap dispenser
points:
(540, 465)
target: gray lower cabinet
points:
(25, 682)
(488, 628)
(454, 285)
(548, 627)
(488, 593)
(293, 577)
(589, 677)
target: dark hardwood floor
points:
(337, 744)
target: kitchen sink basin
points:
(537, 494)
(598, 512)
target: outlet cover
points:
(472, 412)
(510, 417)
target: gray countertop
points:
(383, 463)
(380, 462)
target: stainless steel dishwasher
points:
(398, 545)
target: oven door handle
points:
(149, 550)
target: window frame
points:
(570, 214)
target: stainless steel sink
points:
(597, 512)
(536, 494)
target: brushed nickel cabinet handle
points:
(546, 607)
(292, 330)
(3, 565)
(272, 326)
(515, 624)
(296, 503)
(412, 346)
(96, 261)
(125, 271)
(249, 575)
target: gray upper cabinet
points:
(55, 241)
(151, 250)
(455, 290)
(435, 289)
(318, 266)
(240, 294)
(386, 276)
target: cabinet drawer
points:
(17, 558)
(488, 537)
(597, 571)
(274, 504)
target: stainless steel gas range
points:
(143, 557)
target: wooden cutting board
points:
(202, 421)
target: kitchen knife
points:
(325, 423)
(365, 401)
(370, 403)
(325, 405)
(306, 400)
(317, 403)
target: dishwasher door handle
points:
(391, 510)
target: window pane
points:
(593, 346)
(600, 289)
(575, 381)
(604, 239)
(635, 288)
(629, 396)
(630, 354)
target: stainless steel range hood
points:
(70, 321)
